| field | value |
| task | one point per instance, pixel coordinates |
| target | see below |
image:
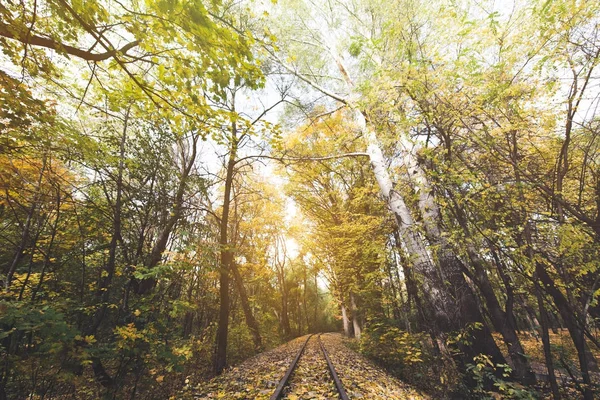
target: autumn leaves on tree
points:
(186, 183)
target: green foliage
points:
(484, 372)
(393, 347)
(110, 210)
(238, 344)
(464, 337)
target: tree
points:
(437, 294)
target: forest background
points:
(186, 183)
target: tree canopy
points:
(185, 184)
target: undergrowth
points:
(412, 358)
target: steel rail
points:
(336, 379)
(283, 382)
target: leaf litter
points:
(257, 377)
(361, 378)
(311, 379)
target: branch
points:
(315, 85)
(266, 110)
(306, 159)
(35, 40)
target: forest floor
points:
(361, 378)
(257, 377)
(563, 352)
(311, 378)
(564, 356)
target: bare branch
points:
(34, 40)
(284, 159)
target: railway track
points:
(284, 389)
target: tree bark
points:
(417, 252)
(23, 243)
(453, 304)
(345, 320)
(146, 285)
(225, 261)
(248, 315)
(356, 322)
(546, 344)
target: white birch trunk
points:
(345, 321)
(416, 248)
(413, 242)
(355, 317)
(427, 204)
(433, 278)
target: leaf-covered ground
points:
(311, 378)
(564, 356)
(361, 378)
(257, 377)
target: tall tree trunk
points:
(285, 319)
(146, 285)
(345, 320)
(451, 268)
(445, 301)
(248, 315)
(546, 344)
(356, 322)
(225, 260)
(23, 243)
(415, 247)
